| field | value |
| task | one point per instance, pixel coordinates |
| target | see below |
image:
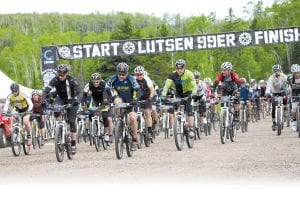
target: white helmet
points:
(295, 68)
(139, 69)
(207, 80)
(226, 65)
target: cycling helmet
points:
(62, 68)
(139, 69)
(261, 82)
(226, 65)
(295, 68)
(36, 92)
(14, 87)
(252, 80)
(96, 76)
(122, 67)
(276, 68)
(180, 63)
(243, 81)
(197, 74)
(207, 80)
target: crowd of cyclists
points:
(123, 87)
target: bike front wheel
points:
(59, 146)
(16, 142)
(119, 140)
(178, 134)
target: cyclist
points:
(148, 93)
(20, 103)
(201, 92)
(254, 94)
(262, 88)
(244, 94)
(40, 106)
(124, 88)
(277, 86)
(294, 82)
(64, 89)
(212, 98)
(185, 86)
(229, 87)
(95, 93)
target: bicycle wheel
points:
(233, 131)
(26, 147)
(68, 147)
(264, 111)
(119, 140)
(96, 136)
(215, 121)
(178, 134)
(278, 122)
(189, 140)
(59, 146)
(223, 128)
(128, 143)
(147, 139)
(16, 142)
(34, 137)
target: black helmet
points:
(14, 87)
(196, 74)
(62, 68)
(96, 76)
(122, 67)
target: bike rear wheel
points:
(26, 147)
(59, 146)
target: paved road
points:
(258, 155)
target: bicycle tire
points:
(189, 141)
(59, 147)
(278, 122)
(223, 129)
(26, 147)
(34, 137)
(96, 136)
(16, 142)
(178, 134)
(233, 132)
(119, 140)
(128, 144)
(79, 135)
(147, 139)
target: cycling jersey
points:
(21, 103)
(67, 90)
(295, 85)
(145, 85)
(127, 89)
(99, 94)
(184, 84)
(39, 105)
(244, 93)
(229, 82)
(277, 84)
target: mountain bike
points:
(123, 131)
(62, 132)
(181, 126)
(227, 125)
(37, 140)
(19, 136)
(49, 125)
(279, 114)
(82, 126)
(142, 129)
(97, 127)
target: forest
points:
(22, 36)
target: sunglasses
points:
(122, 74)
(62, 75)
(139, 74)
(96, 82)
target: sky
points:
(185, 8)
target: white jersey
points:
(276, 84)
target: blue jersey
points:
(244, 94)
(126, 89)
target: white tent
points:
(5, 83)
